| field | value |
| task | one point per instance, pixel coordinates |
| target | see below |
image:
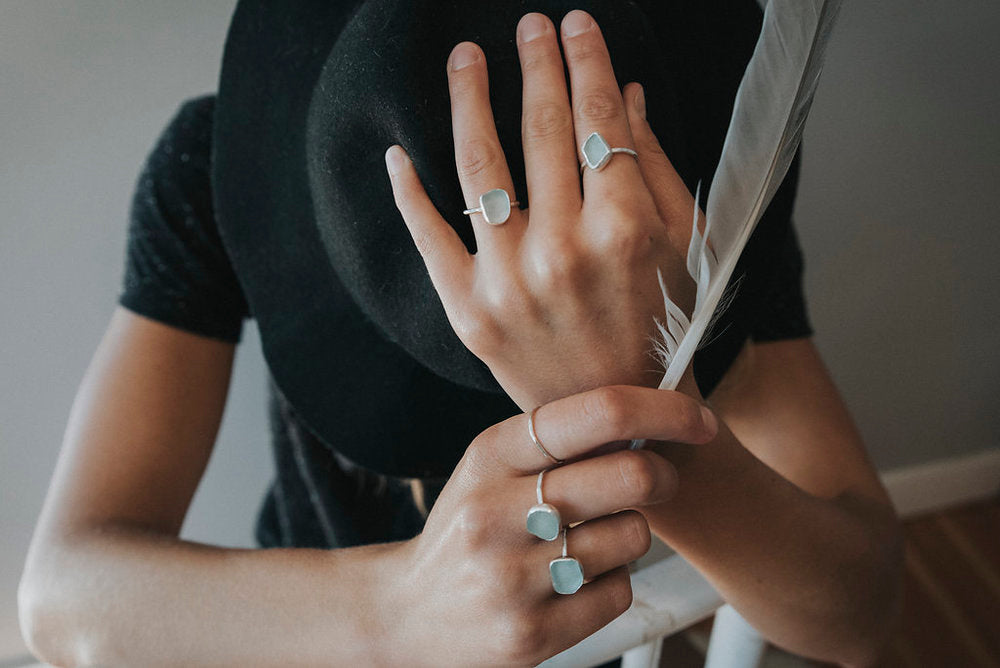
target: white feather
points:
(769, 113)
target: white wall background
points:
(898, 215)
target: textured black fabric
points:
(350, 409)
(176, 268)
(319, 500)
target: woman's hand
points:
(562, 299)
(474, 587)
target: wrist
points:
(380, 614)
(396, 605)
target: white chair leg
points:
(643, 656)
(734, 643)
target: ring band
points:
(566, 571)
(495, 205)
(534, 438)
(543, 519)
(597, 152)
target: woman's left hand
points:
(563, 299)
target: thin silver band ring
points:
(534, 438)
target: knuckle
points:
(582, 48)
(504, 301)
(637, 475)
(558, 266)
(546, 120)
(688, 419)
(625, 237)
(481, 460)
(477, 155)
(539, 55)
(637, 533)
(425, 243)
(479, 331)
(621, 595)
(473, 522)
(601, 105)
(610, 406)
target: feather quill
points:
(769, 113)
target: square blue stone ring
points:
(495, 205)
(597, 152)
(566, 572)
(543, 519)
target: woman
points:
(766, 490)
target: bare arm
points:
(784, 512)
(107, 580)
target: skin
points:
(765, 486)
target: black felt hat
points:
(311, 94)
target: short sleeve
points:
(177, 270)
(782, 312)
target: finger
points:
(593, 607)
(480, 159)
(547, 119)
(597, 105)
(627, 479)
(445, 256)
(600, 545)
(674, 201)
(576, 425)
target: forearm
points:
(122, 596)
(816, 576)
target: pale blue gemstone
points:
(596, 151)
(544, 522)
(496, 206)
(567, 575)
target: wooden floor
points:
(951, 598)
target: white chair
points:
(668, 596)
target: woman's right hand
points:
(476, 587)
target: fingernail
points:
(711, 423)
(640, 102)
(576, 22)
(395, 159)
(463, 55)
(532, 27)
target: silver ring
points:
(543, 519)
(495, 205)
(534, 438)
(597, 152)
(566, 571)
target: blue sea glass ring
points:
(543, 519)
(495, 205)
(566, 572)
(597, 152)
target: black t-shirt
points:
(177, 272)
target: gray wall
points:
(897, 214)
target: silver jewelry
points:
(597, 153)
(534, 438)
(543, 519)
(495, 205)
(566, 572)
